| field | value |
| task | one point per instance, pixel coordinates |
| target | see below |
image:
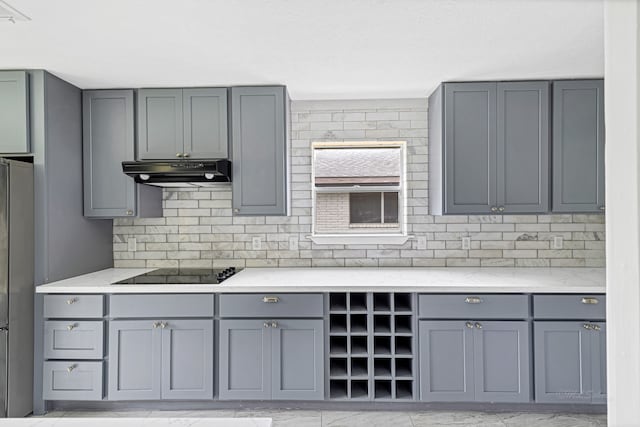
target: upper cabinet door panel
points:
(259, 150)
(14, 112)
(470, 147)
(523, 147)
(160, 124)
(205, 123)
(108, 140)
(578, 146)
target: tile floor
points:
(310, 418)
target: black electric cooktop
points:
(181, 276)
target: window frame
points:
(359, 235)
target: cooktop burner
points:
(181, 276)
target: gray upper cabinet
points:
(523, 147)
(489, 148)
(464, 361)
(271, 359)
(578, 146)
(108, 140)
(187, 359)
(259, 142)
(134, 360)
(205, 123)
(14, 112)
(182, 123)
(570, 362)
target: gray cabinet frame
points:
(160, 130)
(14, 112)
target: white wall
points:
(622, 109)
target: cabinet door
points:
(160, 124)
(578, 146)
(298, 360)
(107, 140)
(599, 363)
(14, 112)
(187, 359)
(205, 123)
(562, 362)
(259, 150)
(446, 361)
(470, 147)
(245, 360)
(134, 360)
(523, 147)
(501, 361)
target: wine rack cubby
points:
(372, 346)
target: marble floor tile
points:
(366, 419)
(286, 418)
(214, 413)
(550, 420)
(455, 418)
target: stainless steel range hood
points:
(182, 173)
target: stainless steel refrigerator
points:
(16, 288)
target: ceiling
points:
(320, 49)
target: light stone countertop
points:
(389, 279)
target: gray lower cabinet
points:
(14, 112)
(463, 361)
(274, 359)
(578, 146)
(182, 123)
(489, 148)
(169, 359)
(108, 140)
(259, 136)
(570, 362)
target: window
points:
(358, 192)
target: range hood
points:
(181, 173)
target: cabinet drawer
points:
(166, 305)
(271, 305)
(470, 306)
(73, 340)
(72, 381)
(73, 306)
(569, 306)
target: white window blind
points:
(357, 166)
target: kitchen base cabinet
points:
(273, 359)
(464, 361)
(570, 362)
(152, 360)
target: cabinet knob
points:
(590, 300)
(236, 210)
(163, 325)
(72, 301)
(156, 324)
(587, 326)
(178, 154)
(71, 368)
(501, 209)
(270, 300)
(473, 300)
(129, 212)
(266, 325)
(71, 327)
(185, 154)
(595, 327)
(494, 209)
(478, 325)
(274, 324)
(601, 208)
(469, 325)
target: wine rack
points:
(372, 346)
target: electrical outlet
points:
(422, 242)
(256, 243)
(293, 243)
(557, 242)
(466, 242)
(132, 244)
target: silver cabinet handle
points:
(469, 325)
(155, 325)
(185, 154)
(494, 209)
(72, 301)
(478, 325)
(266, 325)
(274, 324)
(71, 368)
(72, 326)
(178, 154)
(588, 300)
(501, 209)
(595, 327)
(473, 300)
(163, 324)
(587, 326)
(271, 300)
